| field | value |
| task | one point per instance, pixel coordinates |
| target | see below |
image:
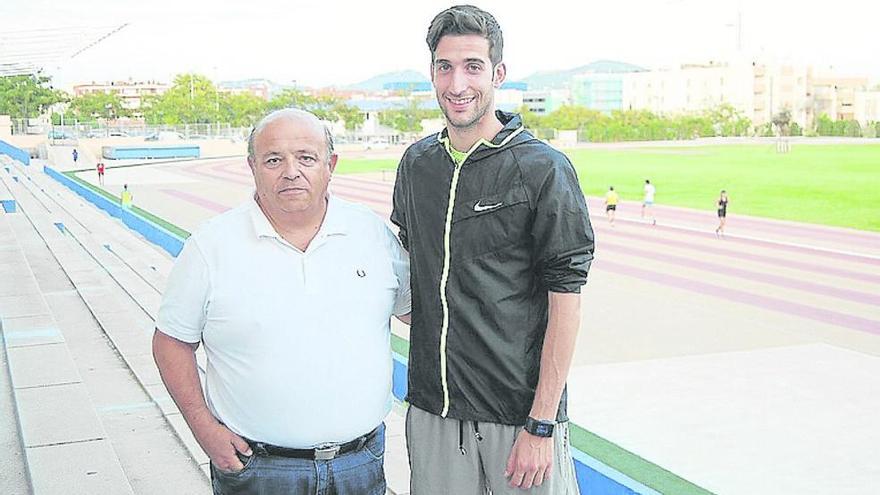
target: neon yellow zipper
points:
(447, 254)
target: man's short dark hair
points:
(467, 19)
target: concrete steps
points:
(89, 400)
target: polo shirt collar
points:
(333, 224)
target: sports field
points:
(823, 184)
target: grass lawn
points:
(824, 184)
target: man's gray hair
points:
(292, 114)
(467, 19)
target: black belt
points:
(318, 454)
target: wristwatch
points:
(539, 428)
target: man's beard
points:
(478, 115)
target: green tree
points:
(192, 99)
(27, 96)
(242, 109)
(352, 116)
(570, 117)
(782, 121)
(405, 120)
(325, 107)
(408, 119)
(293, 98)
(530, 119)
(852, 128)
(98, 105)
(728, 121)
(824, 125)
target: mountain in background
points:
(539, 80)
(559, 79)
(377, 83)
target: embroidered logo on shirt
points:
(361, 273)
(481, 207)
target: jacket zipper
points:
(447, 248)
(444, 280)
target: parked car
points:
(56, 134)
(377, 144)
(165, 136)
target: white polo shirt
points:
(298, 343)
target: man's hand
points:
(530, 461)
(221, 444)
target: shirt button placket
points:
(304, 266)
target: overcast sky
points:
(331, 42)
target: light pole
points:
(216, 101)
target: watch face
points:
(539, 428)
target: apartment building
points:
(131, 93)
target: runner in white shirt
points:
(648, 202)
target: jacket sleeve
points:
(398, 213)
(561, 232)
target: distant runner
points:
(100, 172)
(127, 198)
(611, 200)
(75, 156)
(722, 213)
(648, 202)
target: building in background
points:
(542, 102)
(781, 87)
(599, 85)
(131, 93)
(691, 88)
(262, 88)
(836, 96)
(757, 90)
(866, 106)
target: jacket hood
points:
(512, 134)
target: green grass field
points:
(823, 184)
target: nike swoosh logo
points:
(478, 207)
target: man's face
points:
(464, 79)
(290, 166)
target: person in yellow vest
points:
(126, 197)
(611, 199)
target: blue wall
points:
(151, 231)
(8, 149)
(149, 152)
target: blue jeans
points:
(360, 472)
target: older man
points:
(291, 294)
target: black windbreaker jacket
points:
(487, 240)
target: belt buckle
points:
(326, 453)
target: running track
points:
(821, 275)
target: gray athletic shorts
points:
(438, 466)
